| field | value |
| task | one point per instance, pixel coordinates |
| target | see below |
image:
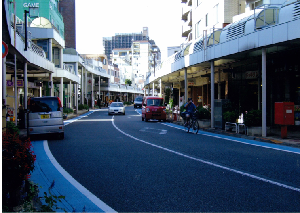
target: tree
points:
(128, 81)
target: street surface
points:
(132, 165)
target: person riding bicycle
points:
(190, 108)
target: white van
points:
(45, 116)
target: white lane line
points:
(210, 163)
(76, 184)
(247, 142)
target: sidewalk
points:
(292, 140)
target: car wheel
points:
(142, 118)
(124, 113)
(146, 119)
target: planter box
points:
(256, 130)
(204, 123)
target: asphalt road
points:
(149, 166)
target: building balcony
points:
(186, 29)
(190, 19)
(185, 11)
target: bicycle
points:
(191, 123)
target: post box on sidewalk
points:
(284, 115)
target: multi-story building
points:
(123, 40)
(203, 17)
(122, 58)
(43, 26)
(249, 59)
(41, 66)
(68, 11)
(137, 62)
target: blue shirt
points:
(191, 107)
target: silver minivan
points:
(45, 116)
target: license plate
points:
(45, 116)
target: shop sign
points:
(31, 5)
(10, 111)
(20, 83)
(251, 75)
(9, 83)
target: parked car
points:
(45, 116)
(116, 108)
(153, 108)
(138, 101)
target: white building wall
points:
(214, 14)
(144, 59)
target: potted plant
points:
(229, 118)
(66, 112)
(253, 122)
(204, 116)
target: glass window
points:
(44, 105)
(138, 99)
(197, 29)
(154, 102)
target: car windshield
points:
(155, 102)
(116, 105)
(139, 99)
(44, 105)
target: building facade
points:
(251, 63)
(123, 40)
(67, 8)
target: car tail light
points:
(60, 106)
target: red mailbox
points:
(284, 113)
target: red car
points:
(153, 108)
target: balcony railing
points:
(36, 49)
(20, 30)
(69, 68)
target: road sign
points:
(4, 49)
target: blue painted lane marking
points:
(242, 140)
(47, 170)
(44, 174)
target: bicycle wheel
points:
(187, 126)
(195, 126)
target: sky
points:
(96, 19)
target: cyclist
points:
(190, 108)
